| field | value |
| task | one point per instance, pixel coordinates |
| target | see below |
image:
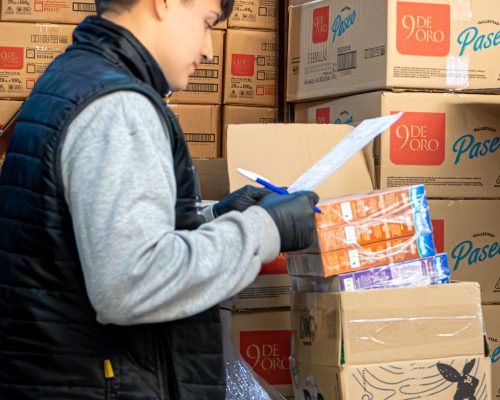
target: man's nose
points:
(207, 51)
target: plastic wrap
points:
(367, 230)
(420, 272)
(241, 382)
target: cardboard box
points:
(492, 322)
(271, 289)
(436, 379)
(250, 68)
(352, 46)
(8, 110)
(54, 11)
(420, 272)
(205, 85)
(264, 341)
(201, 126)
(221, 25)
(213, 177)
(245, 115)
(388, 325)
(468, 230)
(283, 152)
(448, 142)
(254, 14)
(25, 52)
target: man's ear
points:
(160, 8)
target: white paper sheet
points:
(359, 137)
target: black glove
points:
(294, 216)
(240, 200)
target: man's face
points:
(185, 38)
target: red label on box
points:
(323, 115)
(320, 24)
(268, 354)
(275, 267)
(418, 138)
(438, 233)
(242, 64)
(11, 57)
(423, 29)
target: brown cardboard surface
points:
(341, 47)
(283, 152)
(221, 25)
(492, 322)
(271, 289)
(54, 11)
(435, 379)
(26, 51)
(468, 230)
(205, 84)
(264, 341)
(385, 325)
(254, 14)
(448, 141)
(250, 68)
(213, 177)
(8, 108)
(245, 115)
(201, 126)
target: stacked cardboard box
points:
(447, 141)
(424, 342)
(261, 313)
(382, 240)
(32, 34)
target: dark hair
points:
(118, 6)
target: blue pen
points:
(264, 182)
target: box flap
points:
(283, 152)
(412, 323)
(316, 322)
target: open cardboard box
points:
(422, 342)
(388, 325)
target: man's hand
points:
(239, 200)
(294, 216)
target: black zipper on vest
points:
(166, 368)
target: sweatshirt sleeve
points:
(119, 183)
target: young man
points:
(109, 278)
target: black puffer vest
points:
(51, 346)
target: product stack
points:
(32, 34)
(435, 60)
(373, 302)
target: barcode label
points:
(215, 60)
(200, 137)
(347, 61)
(205, 73)
(84, 7)
(202, 87)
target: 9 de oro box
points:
(264, 341)
(205, 84)
(469, 231)
(55, 11)
(492, 322)
(8, 111)
(449, 142)
(201, 126)
(341, 47)
(26, 50)
(245, 115)
(250, 68)
(254, 14)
